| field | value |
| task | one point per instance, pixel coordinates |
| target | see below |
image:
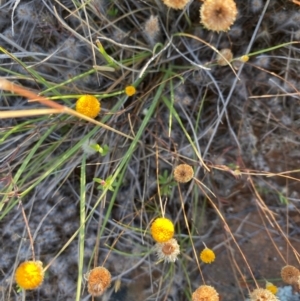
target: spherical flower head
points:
(207, 255)
(168, 251)
(99, 280)
(271, 287)
(88, 105)
(130, 90)
(162, 229)
(29, 275)
(218, 15)
(205, 293)
(290, 274)
(183, 173)
(261, 294)
(176, 4)
(244, 58)
(224, 54)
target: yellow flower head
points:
(271, 287)
(244, 58)
(207, 255)
(130, 90)
(29, 275)
(88, 105)
(162, 229)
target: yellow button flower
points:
(130, 90)
(162, 229)
(244, 58)
(29, 275)
(271, 287)
(88, 105)
(207, 255)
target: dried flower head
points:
(167, 251)
(207, 255)
(224, 54)
(88, 147)
(261, 294)
(29, 275)
(99, 280)
(205, 293)
(256, 5)
(218, 15)
(151, 28)
(176, 4)
(162, 229)
(130, 90)
(290, 274)
(27, 12)
(88, 105)
(271, 287)
(183, 173)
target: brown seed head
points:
(224, 54)
(99, 280)
(218, 15)
(168, 250)
(205, 293)
(261, 294)
(183, 173)
(290, 274)
(151, 27)
(176, 4)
